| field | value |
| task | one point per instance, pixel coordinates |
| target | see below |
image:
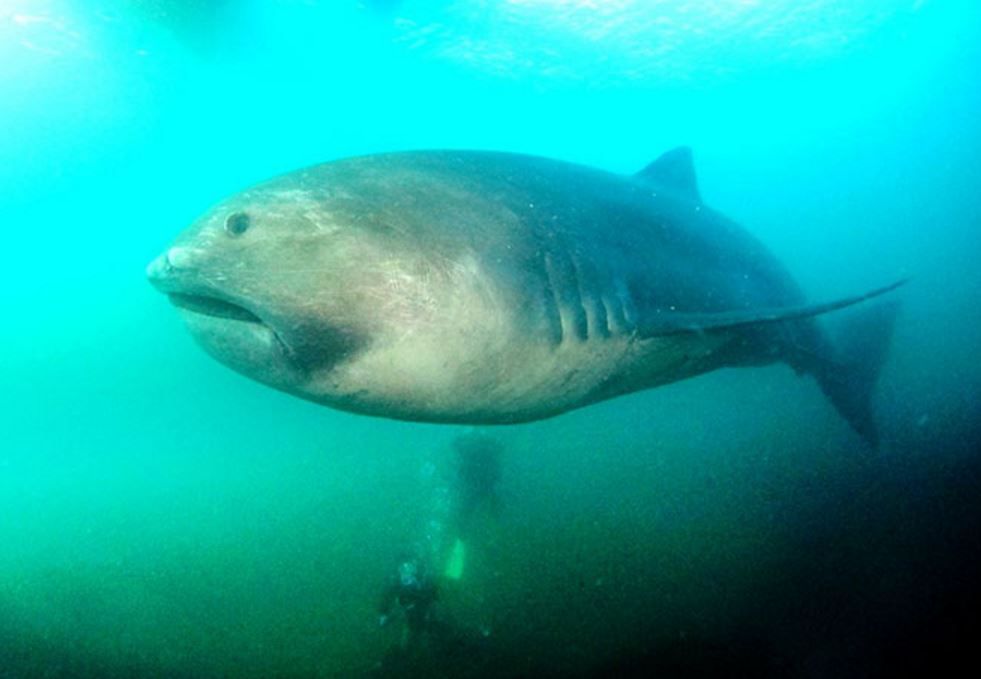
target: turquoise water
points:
(163, 516)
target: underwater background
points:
(162, 516)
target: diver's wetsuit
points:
(414, 593)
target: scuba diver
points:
(426, 642)
(411, 593)
(455, 496)
(430, 645)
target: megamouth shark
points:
(490, 288)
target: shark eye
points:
(237, 223)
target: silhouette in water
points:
(478, 475)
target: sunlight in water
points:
(36, 26)
(639, 39)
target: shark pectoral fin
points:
(675, 323)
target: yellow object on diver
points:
(457, 560)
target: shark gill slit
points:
(627, 307)
(575, 310)
(552, 304)
(597, 323)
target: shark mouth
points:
(212, 306)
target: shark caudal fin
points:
(849, 378)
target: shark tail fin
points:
(848, 379)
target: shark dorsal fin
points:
(673, 170)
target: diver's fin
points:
(457, 561)
(674, 170)
(860, 350)
(674, 323)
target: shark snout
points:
(164, 271)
